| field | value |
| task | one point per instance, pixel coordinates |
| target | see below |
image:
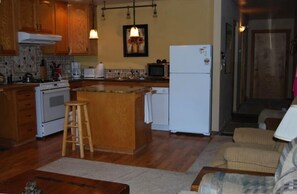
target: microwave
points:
(157, 70)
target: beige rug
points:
(141, 180)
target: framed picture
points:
(135, 46)
(229, 49)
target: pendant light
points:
(134, 32)
(93, 31)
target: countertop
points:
(6, 87)
(113, 89)
(165, 80)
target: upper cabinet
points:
(78, 28)
(36, 16)
(8, 40)
(61, 24)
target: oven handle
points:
(55, 90)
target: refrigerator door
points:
(189, 103)
(190, 59)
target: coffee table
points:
(49, 182)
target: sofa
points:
(284, 180)
(248, 150)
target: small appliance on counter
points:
(99, 71)
(89, 72)
(28, 78)
(75, 70)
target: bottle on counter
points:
(99, 71)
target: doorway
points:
(269, 68)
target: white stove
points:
(50, 110)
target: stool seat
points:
(77, 120)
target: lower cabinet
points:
(18, 115)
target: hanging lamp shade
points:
(93, 34)
(134, 32)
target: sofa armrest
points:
(253, 136)
(207, 169)
(251, 157)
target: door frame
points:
(254, 32)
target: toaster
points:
(89, 72)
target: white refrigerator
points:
(190, 89)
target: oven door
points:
(53, 103)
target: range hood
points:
(39, 39)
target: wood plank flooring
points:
(166, 151)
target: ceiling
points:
(266, 9)
(254, 9)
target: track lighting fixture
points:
(155, 14)
(153, 5)
(128, 14)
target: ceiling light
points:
(242, 28)
(155, 12)
(93, 31)
(128, 14)
(134, 32)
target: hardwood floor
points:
(166, 151)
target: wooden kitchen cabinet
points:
(36, 16)
(18, 115)
(61, 25)
(78, 28)
(8, 39)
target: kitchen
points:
(110, 48)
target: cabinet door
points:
(36, 16)
(61, 23)
(8, 44)
(78, 28)
(45, 16)
(27, 19)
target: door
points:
(189, 103)
(269, 63)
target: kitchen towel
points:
(148, 113)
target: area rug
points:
(141, 180)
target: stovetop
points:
(40, 81)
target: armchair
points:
(283, 181)
(248, 149)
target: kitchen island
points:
(116, 115)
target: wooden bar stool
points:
(75, 122)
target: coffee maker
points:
(75, 70)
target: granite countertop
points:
(123, 79)
(113, 89)
(6, 87)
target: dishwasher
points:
(160, 109)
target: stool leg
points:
(73, 129)
(88, 128)
(65, 131)
(80, 134)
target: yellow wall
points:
(178, 22)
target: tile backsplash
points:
(29, 61)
